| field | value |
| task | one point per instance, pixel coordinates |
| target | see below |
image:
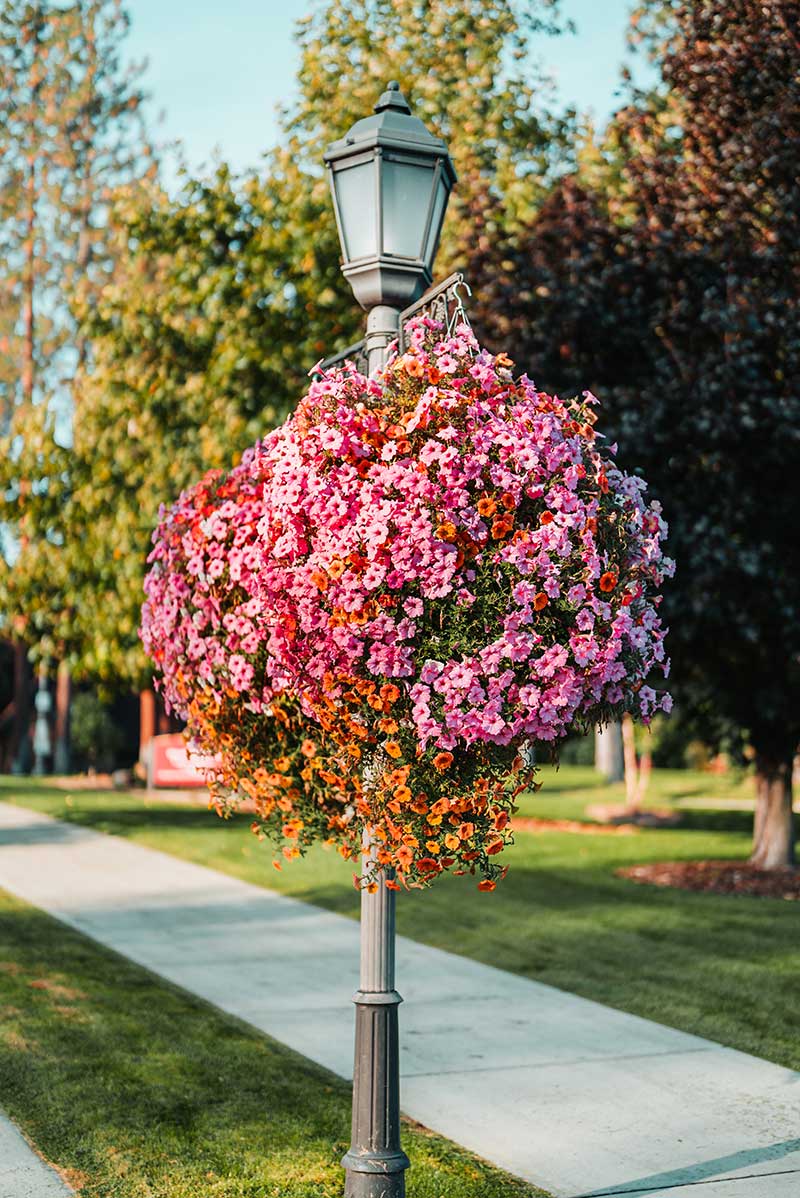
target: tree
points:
(72, 133)
(666, 276)
(224, 296)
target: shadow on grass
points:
(133, 1088)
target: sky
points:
(219, 76)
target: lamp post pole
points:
(375, 1164)
(390, 181)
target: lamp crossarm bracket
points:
(443, 302)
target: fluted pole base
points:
(375, 1165)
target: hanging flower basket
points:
(432, 575)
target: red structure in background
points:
(171, 763)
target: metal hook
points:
(459, 312)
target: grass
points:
(133, 1089)
(723, 967)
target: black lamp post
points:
(390, 181)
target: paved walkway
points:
(577, 1097)
(23, 1174)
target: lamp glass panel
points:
(355, 195)
(406, 197)
(437, 216)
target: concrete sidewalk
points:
(23, 1173)
(577, 1097)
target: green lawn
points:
(136, 1090)
(722, 967)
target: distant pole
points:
(609, 756)
(42, 740)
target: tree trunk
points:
(61, 748)
(20, 750)
(163, 721)
(28, 355)
(147, 722)
(631, 764)
(773, 835)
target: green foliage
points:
(666, 276)
(94, 736)
(224, 296)
(71, 117)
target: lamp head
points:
(390, 180)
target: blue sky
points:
(219, 68)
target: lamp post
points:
(390, 181)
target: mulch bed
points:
(718, 877)
(572, 825)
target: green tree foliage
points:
(223, 297)
(72, 133)
(666, 277)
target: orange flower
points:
(508, 501)
(308, 748)
(501, 820)
(452, 842)
(434, 820)
(434, 375)
(546, 518)
(402, 794)
(486, 506)
(433, 847)
(494, 847)
(427, 865)
(404, 856)
(336, 569)
(390, 692)
(501, 527)
(388, 726)
(443, 761)
(413, 366)
(390, 884)
(608, 581)
(466, 830)
(393, 749)
(591, 524)
(503, 361)
(446, 531)
(319, 579)
(540, 602)
(486, 884)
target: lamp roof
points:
(391, 125)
